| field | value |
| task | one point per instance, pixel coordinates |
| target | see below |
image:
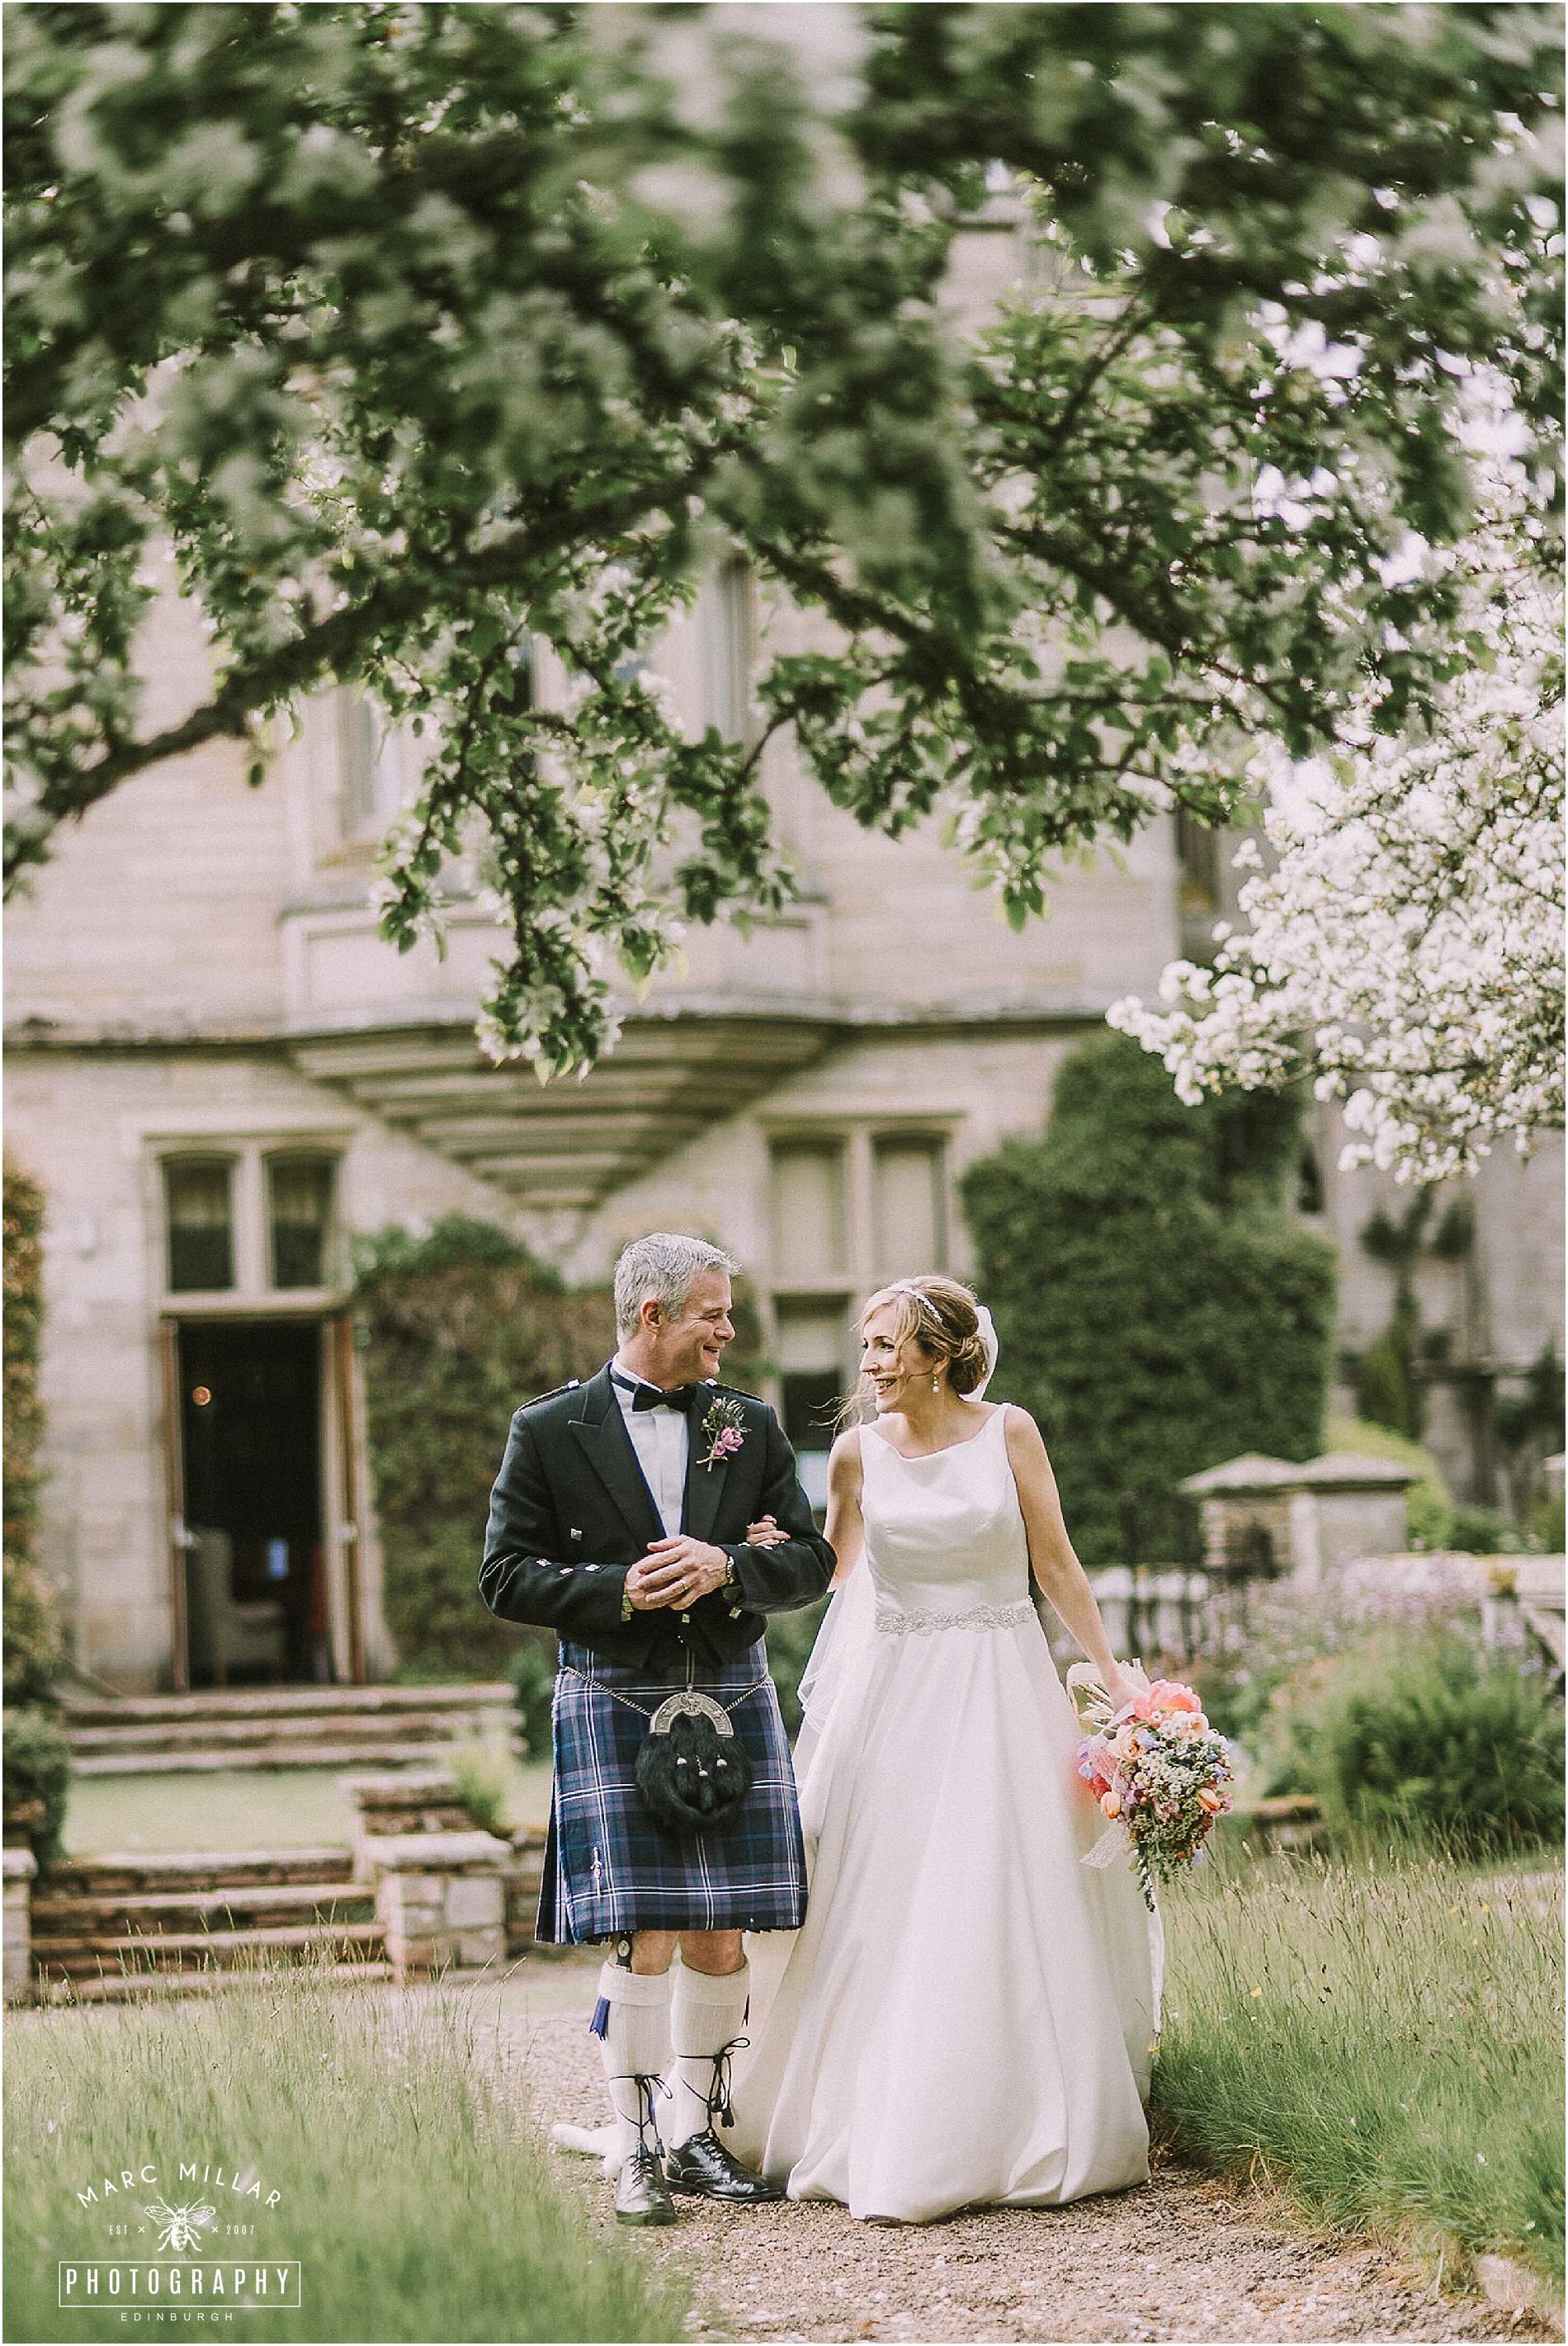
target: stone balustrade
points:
(440, 1901)
(411, 1800)
(20, 1866)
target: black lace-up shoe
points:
(703, 2165)
(641, 2196)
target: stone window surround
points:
(858, 1138)
(248, 1151)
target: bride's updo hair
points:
(940, 1316)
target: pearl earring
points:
(936, 1384)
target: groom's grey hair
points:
(660, 1269)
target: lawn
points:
(388, 2163)
(1383, 2039)
(262, 1808)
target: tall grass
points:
(409, 2192)
(1383, 2037)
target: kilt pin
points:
(570, 1513)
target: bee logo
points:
(182, 2227)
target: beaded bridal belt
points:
(894, 1624)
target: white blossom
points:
(1406, 946)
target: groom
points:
(619, 1519)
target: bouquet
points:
(1160, 1772)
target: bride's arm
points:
(844, 1531)
(1051, 1552)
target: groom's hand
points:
(676, 1572)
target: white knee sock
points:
(706, 2015)
(632, 2024)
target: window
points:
(908, 1207)
(198, 1195)
(370, 768)
(1197, 855)
(299, 1220)
(814, 1341)
(807, 1211)
(729, 651)
(258, 1220)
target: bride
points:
(967, 2014)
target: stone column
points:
(21, 1865)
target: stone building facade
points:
(219, 1076)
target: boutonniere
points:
(722, 1428)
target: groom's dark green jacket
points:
(571, 1514)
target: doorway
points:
(251, 1423)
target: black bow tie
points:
(682, 1397)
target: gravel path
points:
(1188, 2258)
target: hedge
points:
(1159, 1308)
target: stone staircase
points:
(285, 1727)
(114, 1926)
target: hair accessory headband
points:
(906, 1287)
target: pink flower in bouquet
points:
(1165, 1695)
(1160, 1774)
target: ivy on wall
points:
(1159, 1308)
(37, 1766)
(456, 1332)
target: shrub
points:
(480, 1776)
(790, 1637)
(37, 1767)
(531, 1671)
(1437, 1738)
(1484, 1531)
(458, 1328)
(1158, 1309)
(32, 1631)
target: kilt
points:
(610, 1867)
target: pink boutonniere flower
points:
(723, 1428)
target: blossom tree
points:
(408, 337)
(1404, 941)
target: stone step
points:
(291, 1703)
(230, 1734)
(119, 1987)
(115, 1873)
(285, 1727)
(130, 1953)
(195, 1760)
(346, 1727)
(229, 1908)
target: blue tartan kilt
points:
(610, 1867)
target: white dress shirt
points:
(662, 1440)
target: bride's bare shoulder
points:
(845, 1473)
(1024, 1436)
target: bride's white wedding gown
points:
(967, 2013)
